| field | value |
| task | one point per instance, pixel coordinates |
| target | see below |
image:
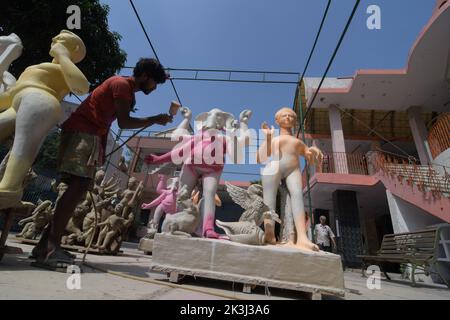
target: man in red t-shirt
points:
(83, 142)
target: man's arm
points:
(124, 120)
(332, 237)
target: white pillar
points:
(337, 140)
(420, 134)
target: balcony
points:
(341, 163)
(344, 163)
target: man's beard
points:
(144, 89)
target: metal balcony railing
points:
(434, 179)
(345, 163)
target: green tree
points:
(36, 22)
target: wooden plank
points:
(247, 288)
(411, 233)
(267, 266)
(174, 277)
(409, 241)
(252, 282)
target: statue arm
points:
(111, 193)
(312, 154)
(110, 184)
(75, 79)
(26, 220)
(8, 56)
(185, 125)
(154, 203)
(5, 100)
(153, 159)
(265, 151)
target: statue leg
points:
(294, 184)
(108, 239)
(7, 123)
(188, 178)
(270, 183)
(25, 230)
(37, 113)
(159, 212)
(101, 237)
(210, 183)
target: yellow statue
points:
(285, 151)
(32, 108)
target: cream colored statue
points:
(75, 225)
(35, 224)
(59, 188)
(89, 230)
(10, 50)
(283, 153)
(32, 108)
(112, 231)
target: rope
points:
(151, 45)
(297, 92)
(312, 50)
(349, 21)
(162, 283)
(95, 228)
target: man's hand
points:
(162, 119)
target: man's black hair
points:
(152, 68)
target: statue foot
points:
(10, 199)
(270, 240)
(211, 234)
(303, 245)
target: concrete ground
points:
(129, 278)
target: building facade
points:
(385, 135)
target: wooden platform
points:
(315, 273)
(146, 245)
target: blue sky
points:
(259, 35)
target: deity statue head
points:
(132, 183)
(286, 118)
(216, 119)
(118, 209)
(73, 43)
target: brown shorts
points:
(79, 155)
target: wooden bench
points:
(418, 249)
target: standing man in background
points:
(324, 235)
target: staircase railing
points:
(434, 179)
